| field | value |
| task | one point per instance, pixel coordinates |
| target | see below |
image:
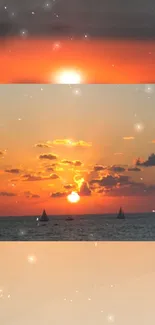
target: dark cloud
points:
(111, 181)
(134, 189)
(26, 81)
(13, 171)
(35, 196)
(58, 194)
(150, 162)
(7, 194)
(99, 168)
(54, 176)
(117, 169)
(49, 156)
(34, 178)
(49, 169)
(85, 190)
(76, 163)
(42, 145)
(69, 186)
(134, 169)
(105, 181)
(28, 195)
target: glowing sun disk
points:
(73, 197)
(68, 77)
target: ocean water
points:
(136, 227)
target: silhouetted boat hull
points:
(69, 219)
(121, 214)
(44, 217)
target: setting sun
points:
(73, 197)
(68, 77)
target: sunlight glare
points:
(68, 77)
(73, 197)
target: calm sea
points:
(136, 227)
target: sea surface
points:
(136, 227)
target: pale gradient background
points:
(77, 283)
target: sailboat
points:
(43, 217)
(121, 214)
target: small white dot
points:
(110, 318)
(31, 259)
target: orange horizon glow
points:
(99, 61)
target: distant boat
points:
(69, 218)
(43, 217)
(121, 214)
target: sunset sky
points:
(59, 138)
(106, 41)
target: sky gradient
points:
(86, 283)
(93, 139)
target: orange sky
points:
(98, 61)
(59, 138)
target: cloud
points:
(150, 162)
(134, 169)
(117, 169)
(99, 168)
(7, 194)
(58, 194)
(49, 156)
(85, 190)
(128, 138)
(54, 176)
(76, 163)
(69, 186)
(26, 81)
(49, 169)
(71, 143)
(42, 145)
(133, 189)
(111, 181)
(28, 194)
(34, 178)
(13, 171)
(105, 181)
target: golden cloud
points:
(71, 143)
(128, 138)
